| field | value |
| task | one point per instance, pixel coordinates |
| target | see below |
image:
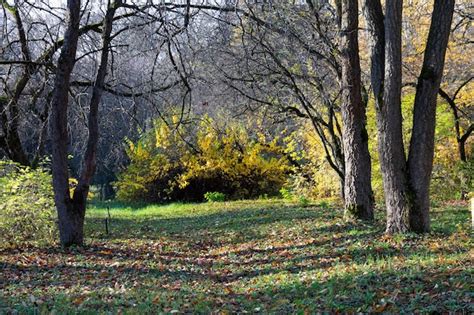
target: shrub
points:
(314, 178)
(178, 163)
(214, 196)
(26, 205)
(286, 194)
(303, 201)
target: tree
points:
(71, 211)
(291, 57)
(357, 190)
(70, 217)
(420, 158)
(287, 67)
(26, 79)
(406, 182)
(10, 140)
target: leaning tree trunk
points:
(357, 186)
(89, 162)
(420, 159)
(70, 220)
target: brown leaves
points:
(79, 300)
(290, 264)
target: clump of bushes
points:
(173, 162)
(214, 196)
(26, 205)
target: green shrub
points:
(324, 205)
(26, 205)
(303, 201)
(214, 196)
(286, 194)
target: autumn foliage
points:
(175, 162)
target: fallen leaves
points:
(297, 260)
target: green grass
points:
(266, 256)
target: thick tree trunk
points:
(389, 116)
(420, 159)
(357, 185)
(70, 218)
(406, 184)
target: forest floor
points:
(266, 256)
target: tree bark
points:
(71, 219)
(357, 185)
(389, 118)
(375, 26)
(420, 158)
(406, 183)
(386, 78)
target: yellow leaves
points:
(242, 160)
(162, 136)
(72, 185)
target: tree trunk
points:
(406, 183)
(89, 162)
(389, 118)
(375, 25)
(357, 185)
(386, 77)
(462, 143)
(420, 159)
(71, 211)
(70, 218)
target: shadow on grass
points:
(196, 263)
(245, 220)
(442, 287)
(447, 220)
(436, 288)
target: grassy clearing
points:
(249, 256)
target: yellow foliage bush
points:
(179, 163)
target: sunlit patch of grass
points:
(255, 256)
